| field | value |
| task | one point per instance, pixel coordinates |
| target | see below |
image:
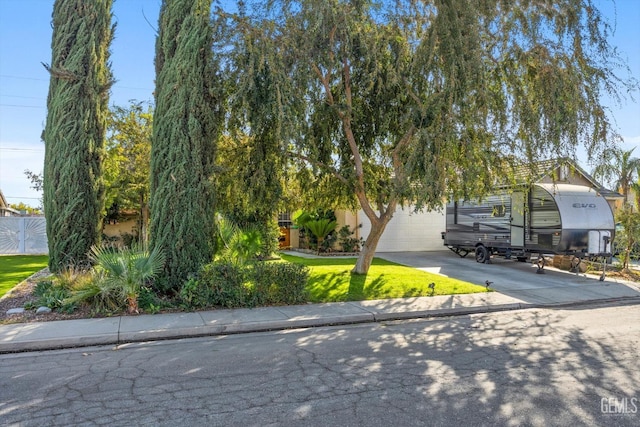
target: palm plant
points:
(321, 228)
(102, 295)
(240, 245)
(622, 169)
(636, 188)
(126, 270)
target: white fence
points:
(23, 235)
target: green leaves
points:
(240, 245)
(416, 101)
(128, 154)
(627, 238)
(124, 271)
(321, 227)
(130, 267)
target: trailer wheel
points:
(482, 254)
(522, 259)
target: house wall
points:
(348, 218)
(121, 227)
(294, 237)
(409, 231)
(631, 201)
(565, 175)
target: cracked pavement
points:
(531, 367)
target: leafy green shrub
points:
(150, 302)
(225, 281)
(328, 243)
(196, 293)
(42, 288)
(270, 237)
(227, 284)
(279, 283)
(54, 298)
(347, 242)
(99, 293)
(51, 294)
(240, 245)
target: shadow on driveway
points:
(518, 279)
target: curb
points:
(630, 300)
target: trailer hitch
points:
(540, 262)
(575, 264)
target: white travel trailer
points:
(547, 219)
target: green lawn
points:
(15, 268)
(331, 280)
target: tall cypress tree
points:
(186, 126)
(74, 134)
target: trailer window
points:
(498, 211)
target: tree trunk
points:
(627, 254)
(144, 222)
(369, 248)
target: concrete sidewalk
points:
(117, 330)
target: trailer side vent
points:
(545, 239)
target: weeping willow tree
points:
(251, 160)
(186, 125)
(408, 102)
(77, 108)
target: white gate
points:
(23, 235)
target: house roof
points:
(535, 172)
(3, 201)
(4, 205)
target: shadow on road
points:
(529, 367)
(520, 368)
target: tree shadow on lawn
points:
(341, 285)
(330, 287)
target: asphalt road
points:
(530, 367)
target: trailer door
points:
(517, 220)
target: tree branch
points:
(397, 150)
(346, 75)
(322, 165)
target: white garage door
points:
(409, 231)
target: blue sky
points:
(25, 39)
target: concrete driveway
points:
(518, 279)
